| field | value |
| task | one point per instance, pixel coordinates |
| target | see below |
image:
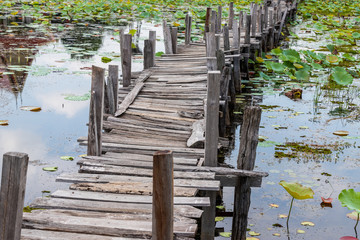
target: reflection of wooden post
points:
(13, 183)
(96, 112)
(126, 59)
(152, 38)
(246, 160)
(163, 196)
(212, 118)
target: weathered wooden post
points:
(212, 118)
(253, 20)
(231, 15)
(207, 21)
(167, 38)
(226, 38)
(271, 30)
(152, 38)
(246, 48)
(96, 112)
(188, 25)
(246, 160)
(211, 51)
(126, 59)
(163, 196)
(236, 35)
(218, 20)
(13, 183)
(174, 32)
(112, 87)
(213, 21)
(148, 54)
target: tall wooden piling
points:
(211, 51)
(231, 15)
(163, 196)
(188, 25)
(236, 35)
(112, 87)
(246, 161)
(148, 54)
(218, 20)
(207, 21)
(167, 38)
(96, 112)
(226, 38)
(13, 183)
(174, 32)
(213, 21)
(152, 38)
(212, 118)
(126, 59)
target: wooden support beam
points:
(126, 59)
(163, 196)
(13, 184)
(96, 112)
(212, 118)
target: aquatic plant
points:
(351, 199)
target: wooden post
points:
(126, 60)
(13, 184)
(246, 161)
(237, 74)
(246, 48)
(212, 118)
(218, 20)
(167, 38)
(220, 59)
(241, 19)
(112, 88)
(231, 15)
(253, 20)
(163, 196)
(96, 112)
(152, 38)
(207, 21)
(174, 32)
(236, 35)
(208, 217)
(148, 54)
(211, 51)
(188, 25)
(226, 38)
(271, 30)
(213, 21)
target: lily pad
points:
(67, 158)
(219, 219)
(341, 133)
(302, 75)
(106, 59)
(350, 199)
(225, 234)
(50, 169)
(300, 231)
(353, 215)
(341, 76)
(307, 223)
(253, 233)
(30, 108)
(4, 122)
(297, 191)
(326, 200)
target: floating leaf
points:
(298, 65)
(341, 76)
(283, 216)
(106, 59)
(221, 207)
(219, 219)
(303, 127)
(307, 223)
(262, 138)
(276, 51)
(332, 58)
(132, 32)
(50, 169)
(4, 122)
(67, 158)
(225, 234)
(252, 238)
(259, 59)
(84, 97)
(297, 191)
(30, 108)
(159, 54)
(350, 199)
(353, 215)
(253, 233)
(273, 205)
(302, 75)
(264, 76)
(277, 234)
(300, 231)
(277, 67)
(341, 133)
(268, 56)
(348, 238)
(355, 35)
(326, 200)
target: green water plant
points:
(296, 191)
(351, 199)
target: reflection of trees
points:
(82, 41)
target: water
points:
(57, 68)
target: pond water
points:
(52, 70)
(332, 165)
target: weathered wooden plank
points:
(135, 171)
(210, 185)
(110, 227)
(110, 207)
(34, 234)
(136, 188)
(126, 198)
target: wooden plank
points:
(109, 227)
(126, 198)
(132, 95)
(109, 207)
(135, 171)
(136, 188)
(34, 234)
(209, 185)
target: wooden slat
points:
(109, 207)
(126, 198)
(209, 185)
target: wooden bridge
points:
(168, 106)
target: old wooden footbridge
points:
(151, 170)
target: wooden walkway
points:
(111, 195)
